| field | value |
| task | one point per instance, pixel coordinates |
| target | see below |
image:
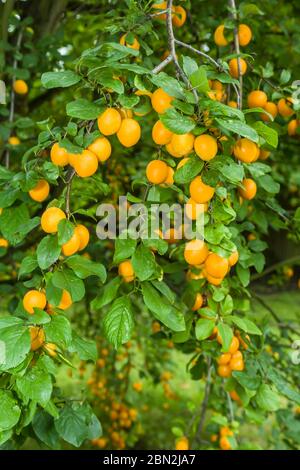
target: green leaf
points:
(227, 305)
(35, 385)
(189, 65)
(124, 249)
(226, 335)
(48, 251)
(169, 84)
(107, 295)
(65, 231)
(7, 198)
(83, 109)
(268, 184)
(189, 171)
(28, 264)
(71, 424)
(247, 380)
(199, 79)
(118, 322)
(63, 79)
(10, 411)
(267, 399)
(162, 309)
(240, 128)
(66, 279)
(58, 331)
(85, 348)
(176, 122)
(143, 263)
(84, 267)
(243, 275)
(246, 325)
(43, 426)
(204, 328)
(267, 133)
(15, 337)
(233, 172)
(40, 317)
(282, 385)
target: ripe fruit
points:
(20, 87)
(13, 140)
(233, 67)
(234, 345)
(284, 107)
(271, 108)
(216, 266)
(171, 151)
(161, 101)
(157, 171)
(40, 192)
(170, 177)
(86, 164)
(224, 371)
(293, 126)
(59, 156)
(50, 349)
(234, 395)
(182, 444)
(101, 148)
(257, 99)
(133, 45)
(249, 189)
(34, 299)
(71, 246)
(236, 364)
(215, 281)
(224, 443)
(65, 301)
(264, 154)
(246, 150)
(224, 359)
(205, 147)
(3, 243)
(198, 302)
(37, 337)
(51, 218)
(182, 162)
(137, 386)
(160, 134)
(244, 34)
(182, 144)
(225, 431)
(219, 37)
(195, 252)
(179, 16)
(129, 132)
(84, 236)
(232, 104)
(233, 258)
(109, 121)
(200, 192)
(125, 270)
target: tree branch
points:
(172, 49)
(205, 400)
(197, 51)
(163, 64)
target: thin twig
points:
(12, 93)
(205, 399)
(274, 315)
(292, 260)
(172, 49)
(163, 64)
(160, 12)
(197, 51)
